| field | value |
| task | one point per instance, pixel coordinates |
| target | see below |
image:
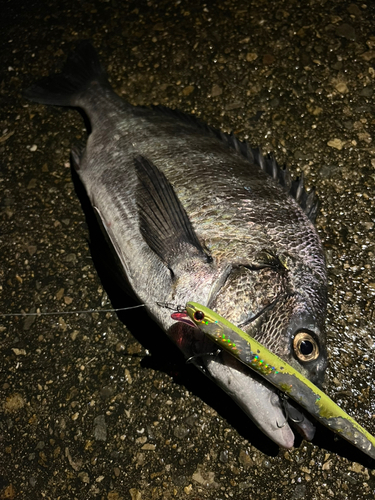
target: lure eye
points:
(198, 315)
(305, 347)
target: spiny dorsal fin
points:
(307, 200)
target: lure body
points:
(279, 373)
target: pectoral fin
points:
(164, 224)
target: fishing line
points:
(85, 311)
(88, 311)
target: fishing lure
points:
(279, 373)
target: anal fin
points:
(76, 154)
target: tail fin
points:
(64, 89)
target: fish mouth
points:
(261, 401)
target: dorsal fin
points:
(308, 201)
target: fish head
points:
(281, 302)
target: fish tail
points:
(66, 88)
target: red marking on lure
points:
(182, 317)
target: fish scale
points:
(191, 214)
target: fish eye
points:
(305, 347)
(198, 315)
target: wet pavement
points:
(98, 405)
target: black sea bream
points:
(196, 215)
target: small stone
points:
(148, 447)
(346, 31)
(335, 19)
(71, 257)
(120, 346)
(245, 460)
(14, 403)
(141, 440)
(336, 143)
(327, 465)
(187, 489)
(84, 477)
(268, 59)
(356, 467)
(34, 147)
(216, 90)
(135, 494)
(354, 10)
(233, 105)
(31, 249)
(106, 392)
(251, 56)
(314, 110)
(364, 136)
(74, 334)
(100, 428)
(299, 492)
(9, 492)
(6, 136)
(113, 495)
(204, 477)
(366, 92)
(188, 90)
(134, 348)
(19, 352)
(180, 432)
(369, 55)
(29, 320)
(128, 377)
(341, 87)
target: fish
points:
(283, 376)
(195, 214)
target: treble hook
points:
(196, 356)
(290, 412)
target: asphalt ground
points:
(100, 405)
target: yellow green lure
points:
(283, 376)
